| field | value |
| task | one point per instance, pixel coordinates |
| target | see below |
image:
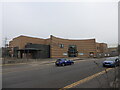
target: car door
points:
(69, 62)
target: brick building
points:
(113, 51)
(54, 47)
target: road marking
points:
(85, 79)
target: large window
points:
(72, 51)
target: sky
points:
(69, 20)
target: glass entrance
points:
(72, 51)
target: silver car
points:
(111, 62)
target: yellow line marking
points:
(85, 79)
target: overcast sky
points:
(70, 20)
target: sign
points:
(65, 54)
(81, 53)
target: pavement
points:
(87, 73)
(40, 61)
(118, 77)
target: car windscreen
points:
(59, 60)
(110, 60)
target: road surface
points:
(83, 74)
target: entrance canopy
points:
(28, 50)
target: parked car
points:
(63, 62)
(111, 62)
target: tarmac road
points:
(83, 74)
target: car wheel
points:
(56, 65)
(63, 64)
(103, 65)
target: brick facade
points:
(59, 47)
(21, 41)
(83, 46)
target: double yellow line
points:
(85, 79)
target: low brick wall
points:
(13, 60)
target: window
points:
(73, 46)
(98, 48)
(72, 51)
(61, 45)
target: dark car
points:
(63, 62)
(111, 62)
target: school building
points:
(55, 47)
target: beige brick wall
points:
(101, 47)
(21, 41)
(83, 46)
